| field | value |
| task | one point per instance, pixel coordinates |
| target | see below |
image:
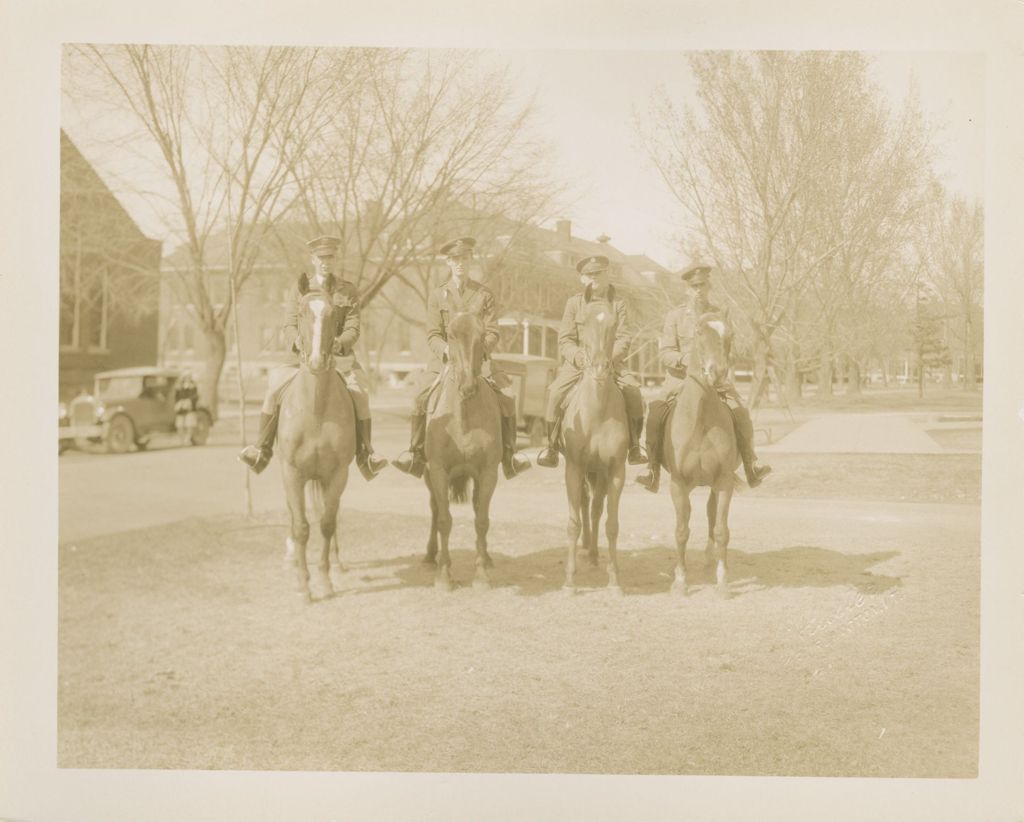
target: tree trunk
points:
(759, 383)
(794, 384)
(825, 375)
(853, 374)
(216, 351)
(970, 378)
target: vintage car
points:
(530, 377)
(127, 407)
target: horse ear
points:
(329, 283)
(303, 284)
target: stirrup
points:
(256, 458)
(548, 458)
(756, 474)
(636, 456)
(370, 465)
(410, 463)
(649, 481)
(514, 464)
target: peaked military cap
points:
(324, 245)
(696, 274)
(592, 265)
(453, 248)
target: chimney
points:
(564, 229)
(604, 239)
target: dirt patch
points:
(848, 647)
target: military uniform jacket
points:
(676, 343)
(572, 323)
(445, 302)
(346, 303)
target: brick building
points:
(109, 273)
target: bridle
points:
(327, 362)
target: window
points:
(94, 314)
(68, 320)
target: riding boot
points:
(369, 463)
(257, 456)
(414, 461)
(745, 445)
(549, 456)
(636, 455)
(511, 462)
(651, 478)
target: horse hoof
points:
(592, 559)
(488, 562)
(615, 591)
(679, 589)
(443, 583)
(569, 590)
(481, 585)
(430, 562)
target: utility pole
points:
(238, 351)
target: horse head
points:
(466, 351)
(597, 338)
(317, 323)
(712, 346)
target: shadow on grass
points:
(648, 571)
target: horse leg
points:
(296, 543)
(329, 529)
(615, 486)
(574, 480)
(709, 550)
(431, 557)
(596, 509)
(439, 493)
(681, 500)
(483, 490)
(721, 534)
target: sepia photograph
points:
(434, 409)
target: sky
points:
(586, 103)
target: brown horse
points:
(316, 435)
(699, 448)
(595, 438)
(463, 443)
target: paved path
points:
(857, 433)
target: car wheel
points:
(120, 435)
(202, 428)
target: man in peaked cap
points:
(324, 255)
(593, 273)
(460, 294)
(675, 347)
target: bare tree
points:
(771, 174)
(952, 248)
(426, 131)
(224, 127)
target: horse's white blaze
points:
(318, 307)
(600, 317)
(718, 326)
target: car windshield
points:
(118, 388)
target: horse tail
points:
(458, 488)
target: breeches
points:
(355, 380)
(567, 377)
(426, 381)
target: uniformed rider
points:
(460, 294)
(675, 348)
(324, 257)
(594, 273)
